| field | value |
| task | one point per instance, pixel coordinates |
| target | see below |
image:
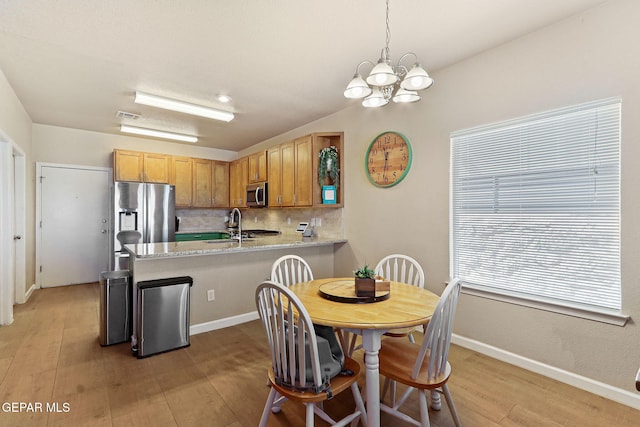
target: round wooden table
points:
(407, 306)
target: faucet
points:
(231, 220)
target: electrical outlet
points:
(211, 295)
(312, 222)
(318, 222)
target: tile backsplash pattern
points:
(327, 222)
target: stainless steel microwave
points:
(257, 195)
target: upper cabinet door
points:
(128, 166)
(303, 171)
(274, 176)
(156, 168)
(182, 179)
(202, 194)
(258, 167)
(220, 184)
(288, 158)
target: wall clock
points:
(388, 159)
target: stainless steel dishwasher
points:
(163, 315)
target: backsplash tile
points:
(285, 220)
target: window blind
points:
(535, 206)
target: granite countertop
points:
(211, 247)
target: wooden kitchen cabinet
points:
(258, 167)
(274, 176)
(202, 190)
(238, 180)
(220, 184)
(290, 173)
(140, 167)
(128, 165)
(182, 179)
(303, 171)
(156, 168)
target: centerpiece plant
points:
(365, 281)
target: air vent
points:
(125, 115)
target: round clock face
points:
(388, 159)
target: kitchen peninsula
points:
(230, 269)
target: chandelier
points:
(386, 82)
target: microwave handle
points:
(257, 197)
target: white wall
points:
(15, 128)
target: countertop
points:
(212, 247)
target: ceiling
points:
(285, 62)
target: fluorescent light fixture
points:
(182, 107)
(158, 133)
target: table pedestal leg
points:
(371, 345)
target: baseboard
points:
(28, 294)
(596, 387)
(201, 328)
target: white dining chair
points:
(423, 368)
(291, 269)
(401, 268)
(397, 268)
(286, 335)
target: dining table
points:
(333, 302)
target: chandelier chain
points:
(387, 52)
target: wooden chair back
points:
(437, 338)
(401, 268)
(291, 269)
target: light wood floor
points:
(51, 354)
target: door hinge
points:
(40, 224)
(41, 178)
(40, 269)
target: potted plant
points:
(365, 281)
(329, 168)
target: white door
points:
(75, 210)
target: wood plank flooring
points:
(51, 354)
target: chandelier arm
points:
(362, 63)
(405, 55)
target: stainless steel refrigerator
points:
(144, 213)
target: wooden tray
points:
(345, 291)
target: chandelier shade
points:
(388, 82)
(357, 88)
(382, 74)
(403, 95)
(416, 79)
(376, 99)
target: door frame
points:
(38, 228)
(12, 220)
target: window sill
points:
(604, 316)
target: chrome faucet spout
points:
(233, 216)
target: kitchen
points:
(582, 58)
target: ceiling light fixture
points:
(182, 107)
(386, 82)
(158, 133)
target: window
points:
(535, 207)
